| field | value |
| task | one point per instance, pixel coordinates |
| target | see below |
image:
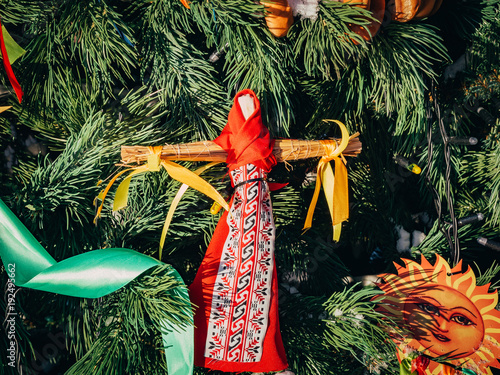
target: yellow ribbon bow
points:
(334, 186)
(176, 171)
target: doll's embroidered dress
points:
(236, 288)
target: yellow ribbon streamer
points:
(184, 175)
(175, 203)
(102, 194)
(121, 195)
(334, 186)
(176, 171)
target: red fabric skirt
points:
(273, 356)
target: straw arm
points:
(284, 150)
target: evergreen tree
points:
(100, 74)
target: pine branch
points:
(485, 48)
(143, 218)
(80, 321)
(402, 61)
(258, 61)
(19, 11)
(326, 45)
(130, 320)
(353, 324)
(303, 331)
(254, 58)
(309, 263)
(173, 65)
(78, 43)
(488, 276)
(479, 172)
(62, 191)
(91, 29)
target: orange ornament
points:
(436, 7)
(406, 10)
(403, 10)
(443, 320)
(377, 7)
(279, 17)
(428, 8)
(425, 8)
(442, 313)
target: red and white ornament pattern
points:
(242, 291)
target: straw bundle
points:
(284, 150)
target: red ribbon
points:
(273, 186)
(419, 364)
(8, 68)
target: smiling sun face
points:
(443, 313)
(444, 321)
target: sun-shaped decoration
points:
(442, 313)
